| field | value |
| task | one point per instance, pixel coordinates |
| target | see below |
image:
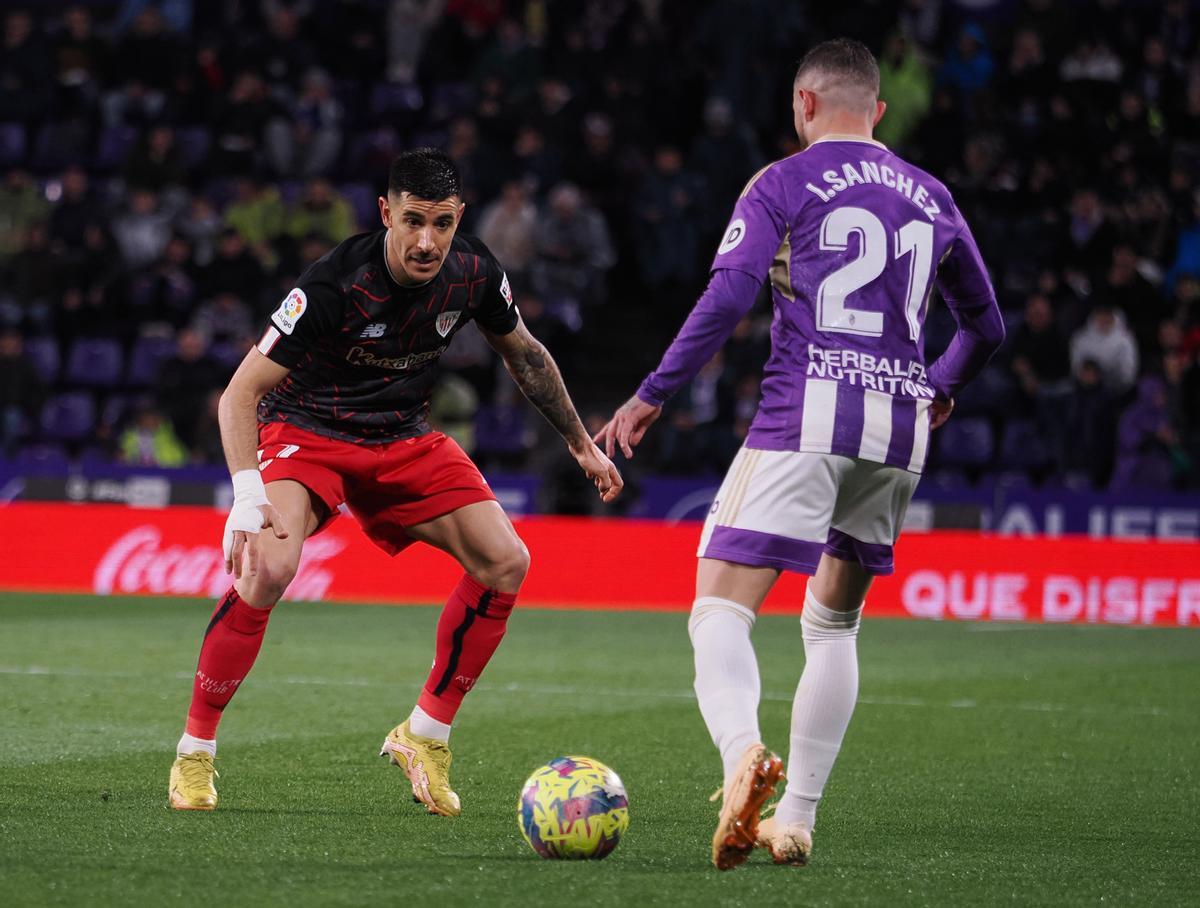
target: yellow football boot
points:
(790, 844)
(742, 799)
(426, 762)
(192, 782)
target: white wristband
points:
(248, 486)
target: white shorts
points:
(783, 509)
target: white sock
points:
(822, 708)
(727, 684)
(425, 725)
(189, 745)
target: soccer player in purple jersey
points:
(852, 238)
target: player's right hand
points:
(627, 427)
(939, 412)
(251, 512)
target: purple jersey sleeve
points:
(729, 296)
(961, 276)
(963, 281)
(757, 226)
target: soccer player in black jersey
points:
(329, 409)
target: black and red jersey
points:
(363, 350)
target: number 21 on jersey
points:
(914, 239)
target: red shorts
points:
(388, 487)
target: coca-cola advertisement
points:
(604, 564)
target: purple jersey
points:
(852, 238)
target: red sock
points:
(471, 627)
(231, 644)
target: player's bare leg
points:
(823, 705)
(483, 541)
(728, 597)
(232, 641)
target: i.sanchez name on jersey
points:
(363, 350)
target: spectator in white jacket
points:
(1108, 342)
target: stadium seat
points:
(1012, 481)
(94, 457)
(946, 480)
(58, 145)
(1023, 447)
(363, 198)
(43, 353)
(371, 149)
(991, 392)
(12, 144)
(114, 410)
(389, 97)
(290, 191)
(450, 99)
(68, 417)
(228, 354)
(149, 353)
(965, 443)
(116, 142)
(193, 143)
(500, 430)
(50, 458)
(94, 363)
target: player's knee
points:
(275, 571)
(508, 567)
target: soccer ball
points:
(573, 808)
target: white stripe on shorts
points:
(877, 426)
(816, 420)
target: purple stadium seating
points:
(449, 99)
(114, 409)
(68, 417)
(992, 391)
(12, 144)
(228, 354)
(50, 458)
(193, 143)
(964, 443)
(149, 353)
(58, 144)
(945, 480)
(389, 97)
(371, 150)
(95, 363)
(116, 142)
(363, 198)
(500, 430)
(43, 353)
(1023, 447)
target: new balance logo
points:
(374, 330)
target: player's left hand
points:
(627, 426)
(599, 470)
(939, 412)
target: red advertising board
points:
(616, 564)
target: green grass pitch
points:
(986, 765)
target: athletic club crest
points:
(446, 321)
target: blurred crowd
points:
(170, 167)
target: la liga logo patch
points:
(294, 305)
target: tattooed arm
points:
(536, 374)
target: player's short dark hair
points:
(427, 173)
(850, 62)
